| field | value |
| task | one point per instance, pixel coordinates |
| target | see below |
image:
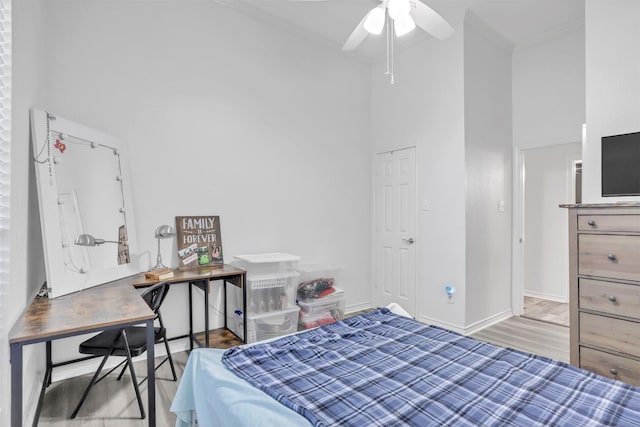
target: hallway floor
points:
(546, 311)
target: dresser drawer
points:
(612, 256)
(610, 365)
(629, 223)
(605, 332)
(609, 297)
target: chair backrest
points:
(155, 295)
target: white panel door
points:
(395, 223)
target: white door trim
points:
(517, 248)
(518, 228)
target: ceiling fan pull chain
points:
(392, 42)
(386, 17)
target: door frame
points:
(518, 229)
(517, 247)
(374, 297)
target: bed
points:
(382, 369)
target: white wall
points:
(223, 115)
(548, 109)
(425, 109)
(26, 261)
(612, 83)
(488, 139)
(546, 235)
(549, 91)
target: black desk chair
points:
(128, 342)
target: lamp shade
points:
(164, 232)
(88, 240)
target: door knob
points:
(408, 241)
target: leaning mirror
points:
(86, 213)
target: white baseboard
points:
(352, 308)
(472, 328)
(436, 322)
(89, 366)
(550, 297)
(489, 321)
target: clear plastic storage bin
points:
(266, 263)
(270, 292)
(316, 277)
(322, 311)
(271, 325)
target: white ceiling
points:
(518, 22)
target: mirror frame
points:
(60, 279)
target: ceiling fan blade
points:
(357, 36)
(429, 20)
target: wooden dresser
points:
(604, 266)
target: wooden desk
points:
(200, 278)
(112, 305)
(103, 307)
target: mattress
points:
(386, 370)
(221, 399)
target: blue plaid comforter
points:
(379, 369)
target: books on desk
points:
(161, 274)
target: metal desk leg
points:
(151, 373)
(206, 284)
(190, 316)
(224, 297)
(49, 363)
(46, 382)
(16, 385)
(244, 306)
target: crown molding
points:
(266, 18)
(475, 22)
(554, 34)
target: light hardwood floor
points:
(112, 403)
(531, 336)
(546, 311)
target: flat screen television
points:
(621, 165)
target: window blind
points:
(5, 195)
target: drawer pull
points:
(591, 223)
(613, 371)
(611, 257)
(612, 298)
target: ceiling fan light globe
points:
(374, 23)
(403, 25)
(399, 8)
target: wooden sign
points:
(199, 241)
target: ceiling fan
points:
(401, 16)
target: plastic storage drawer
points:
(271, 325)
(270, 292)
(321, 311)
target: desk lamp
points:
(162, 232)
(89, 240)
